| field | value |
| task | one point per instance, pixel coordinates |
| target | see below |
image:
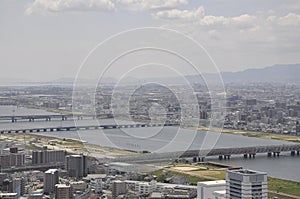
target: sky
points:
(44, 40)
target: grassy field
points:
(192, 179)
(284, 186)
(284, 189)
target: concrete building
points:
(3, 176)
(96, 184)
(18, 186)
(63, 191)
(205, 190)
(45, 156)
(145, 188)
(96, 181)
(11, 159)
(118, 188)
(246, 184)
(76, 165)
(50, 180)
(219, 194)
(78, 185)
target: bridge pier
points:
(245, 155)
(252, 155)
(293, 153)
(31, 119)
(220, 157)
(194, 159)
(48, 118)
(227, 157)
(298, 152)
(276, 154)
(13, 120)
(269, 154)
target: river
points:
(163, 139)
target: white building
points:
(219, 194)
(9, 195)
(206, 189)
(246, 184)
(96, 181)
(145, 188)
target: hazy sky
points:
(49, 39)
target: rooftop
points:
(213, 183)
(246, 172)
(52, 171)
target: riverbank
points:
(280, 137)
(73, 146)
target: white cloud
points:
(40, 6)
(244, 21)
(198, 16)
(214, 20)
(260, 33)
(153, 4)
(290, 19)
(175, 14)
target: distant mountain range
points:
(288, 73)
(279, 73)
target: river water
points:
(164, 139)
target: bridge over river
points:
(87, 127)
(199, 155)
(49, 117)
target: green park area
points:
(284, 189)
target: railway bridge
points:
(87, 127)
(222, 153)
(49, 117)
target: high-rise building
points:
(76, 165)
(3, 176)
(118, 188)
(11, 159)
(18, 186)
(47, 156)
(63, 191)
(246, 184)
(50, 180)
